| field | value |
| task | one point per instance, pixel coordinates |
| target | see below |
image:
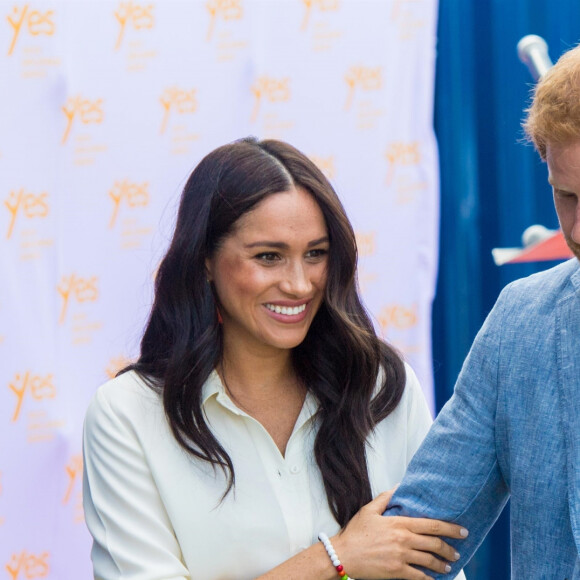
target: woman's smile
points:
(287, 313)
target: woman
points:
(263, 408)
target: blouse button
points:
(294, 469)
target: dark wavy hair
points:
(341, 357)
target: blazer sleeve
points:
(455, 475)
(132, 535)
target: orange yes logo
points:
(401, 154)
(178, 100)
(138, 15)
(224, 9)
(397, 8)
(134, 195)
(32, 20)
(73, 469)
(30, 565)
(39, 387)
(322, 5)
(364, 78)
(398, 316)
(27, 204)
(273, 90)
(115, 365)
(365, 243)
(79, 289)
(85, 110)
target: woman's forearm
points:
(310, 564)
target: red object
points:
(552, 248)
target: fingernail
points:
(457, 556)
(463, 532)
(447, 568)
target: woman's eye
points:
(268, 257)
(317, 253)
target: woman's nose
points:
(296, 281)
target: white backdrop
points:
(105, 108)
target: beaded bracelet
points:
(332, 555)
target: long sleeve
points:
(455, 475)
(133, 537)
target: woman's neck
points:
(266, 389)
(260, 372)
(257, 377)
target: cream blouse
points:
(155, 512)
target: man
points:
(512, 427)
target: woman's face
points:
(270, 273)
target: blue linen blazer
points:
(512, 429)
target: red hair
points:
(554, 115)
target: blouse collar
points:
(213, 388)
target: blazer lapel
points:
(568, 349)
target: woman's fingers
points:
(429, 561)
(437, 546)
(436, 528)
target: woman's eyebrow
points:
(268, 244)
(283, 245)
(318, 241)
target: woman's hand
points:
(373, 546)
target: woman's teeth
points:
(288, 310)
